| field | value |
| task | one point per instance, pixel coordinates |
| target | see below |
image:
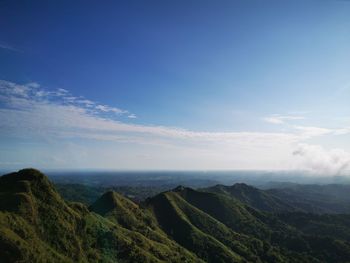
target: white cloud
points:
(87, 103)
(132, 116)
(318, 160)
(304, 131)
(342, 131)
(63, 91)
(9, 47)
(16, 95)
(106, 108)
(281, 119)
(31, 112)
(309, 131)
(61, 118)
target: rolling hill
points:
(37, 225)
(218, 224)
(256, 198)
(320, 199)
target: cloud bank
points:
(316, 159)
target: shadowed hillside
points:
(227, 220)
(253, 197)
(321, 199)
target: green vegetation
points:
(218, 224)
(253, 197)
(87, 194)
(37, 225)
(320, 199)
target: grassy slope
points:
(126, 213)
(288, 243)
(316, 198)
(189, 225)
(37, 225)
(183, 225)
(175, 223)
(253, 197)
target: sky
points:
(175, 85)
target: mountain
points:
(88, 194)
(37, 225)
(192, 217)
(288, 197)
(209, 238)
(219, 224)
(253, 197)
(327, 225)
(124, 212)
(79, 192)
(320, 199)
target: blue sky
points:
(185, 85)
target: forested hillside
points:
(217, 224)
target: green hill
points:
(248, 232)
(253, 197)
(37, 225)
(124, 212)
(218, 224)
(209, 238)
(320, 199)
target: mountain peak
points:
(22, 192)
(28, 174)
(179, 188)
(26, 181)
(243, 186)
(110, 201)
(182, 188)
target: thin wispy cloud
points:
(342, 131)
(31, 105)
(132, 116)
(8, 47)
(106, 108)
(309, 131)
(19, 96)
(30, 112)
(281, 119)
(304, 131)
(40, 109)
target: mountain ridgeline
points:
(236, 223)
